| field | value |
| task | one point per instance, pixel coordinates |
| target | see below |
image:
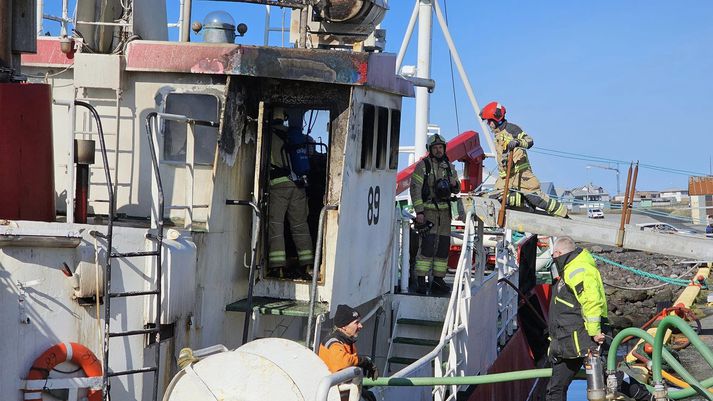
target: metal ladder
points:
(157, 237)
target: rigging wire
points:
(589, 158)
(453, 82)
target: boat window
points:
(196, 106)
(382, 138)
(367, 136)
(315, 124)
(394, 139)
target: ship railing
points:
(456, 317)
(507, 269)
(447, 359)
(65, 20)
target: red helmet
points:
(493, 111)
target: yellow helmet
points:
(435, 139)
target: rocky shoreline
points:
(636, 301)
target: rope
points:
(621, 287)
(669, 280)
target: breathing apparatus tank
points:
(596, 389)
(298, 151)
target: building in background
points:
(700, 191)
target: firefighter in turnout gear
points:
(577, 315)
(432, 184)
(287, 198)
(524, 186)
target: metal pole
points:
(407, 37)
(405, 253)
(253, 259)
(186, 21)
(266, 35)
(315, 268)
(190, 174)
(39, 16)
(423, 70)
(70, 159)
(302, 40)
(65, 18)
(181, 5)
(464, 78)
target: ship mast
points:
(423, 11)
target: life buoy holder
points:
(65, 352)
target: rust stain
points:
(363, 68)
(700, 186)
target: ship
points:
(134, 229)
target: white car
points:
(595, 214)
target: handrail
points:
(456, 317)
(451, 326)
(253, 257)
(190, 159)
(352, 373)
(315, 269)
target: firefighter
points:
(338, 351)
(287, 198)
(524, 186)
(432, 184)
(577, 314)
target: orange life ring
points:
(65, 352)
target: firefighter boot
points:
(440, 286)
(421, 287)
(303, 273)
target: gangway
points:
(595, 232)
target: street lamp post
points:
(618, 190)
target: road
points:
(639, 218)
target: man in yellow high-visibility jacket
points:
(524, 185)
(577, 315)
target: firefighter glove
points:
(513, 144)
(369, 367)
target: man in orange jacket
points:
(339, 351)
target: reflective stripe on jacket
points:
(338, 352)
(503, 135)
(578, 307)
(438, 170)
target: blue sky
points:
(623, 80)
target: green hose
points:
(696, 387)
(686, 330)
(459, 380)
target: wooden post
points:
(506, 192)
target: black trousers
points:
(563, 371)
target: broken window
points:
(198, 107)
(394, 139)
(382, 138)
(367, 136)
